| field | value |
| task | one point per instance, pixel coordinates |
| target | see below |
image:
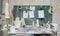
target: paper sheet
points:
(41, 14)
(31, 14)
(25, 14)
(32, 8)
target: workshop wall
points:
(36, 2)
(24, 2)
(56, 15)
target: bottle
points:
(37, 24)
(22, 22)
(7, 15)
(17, 22)
(33, 24)
(48, 26)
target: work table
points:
(30, 31)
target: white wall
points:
(58, 16)
(28, 2)
(25, 2)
